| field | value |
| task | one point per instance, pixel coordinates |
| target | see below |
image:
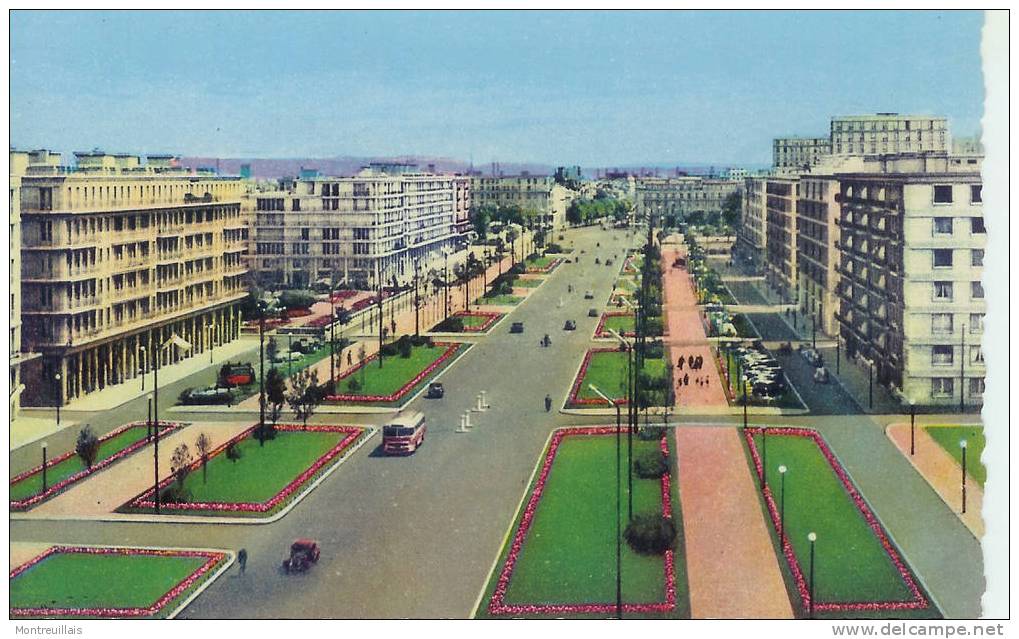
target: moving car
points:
(821, 375)
(588, 295)
(592, 313)
(436, 391)
(570, 325)
(517, 327)
(303, 553)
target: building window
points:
(943, 226)
(942, 387)
(941, 323)
(976, 225)
(943, 194)
(976, 386)
(977, 257)
(976, 355)
(942, 291)
(977, 290)
(942, 258)
(976, 323)
(976, 193)
(942, 355)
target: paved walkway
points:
(28, 427)
(943, 473)
(685, 337)
(22, 551)
(110, 488)
(731, 564)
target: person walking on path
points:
(349, 360)
(682, 360)
(686, 379)
(242, 559)
(548, 403)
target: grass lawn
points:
(78, 580)
(851, 565)
(473, 320)
(607, 371)
(626, 284)
(530, 282)
(32, 484)
(948, 437)
(568, 556)
(395, 372)
(541, 262)
(621, 324)
(499, 300)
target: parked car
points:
(206, 396)
(813, 357)
(303, 554)
(570, 325)
(821, 375)
(436, 391)
(588, 295)
(292, 356)
(517, 327)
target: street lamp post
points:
(261, 374)
(145, 364)
(912, 427)
(417, 301)
(781, 508)
(445, 283)
(630, 424)
(812, 537)
(619, 534)
(764, 456)
(962, 445)
(210, 328)
(155, 427)
(57, 397)
(44, 467)
(813, 330)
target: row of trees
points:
(584, 210)
(483, 216)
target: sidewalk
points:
(943, 474)
(117, 394)
(732, 568)
(854, 377)
(27, 428)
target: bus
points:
(404, 434)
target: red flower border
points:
(451, 349)
(497, 605)
(213, 559)
(62, 485)
(492, 318)
(548, 269)
(575, 389)
(354, 433)
(600, 331)
(918, 602)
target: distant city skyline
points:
(588, 88)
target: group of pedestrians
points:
(694, 363)
(704, 380)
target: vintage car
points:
(303, 553)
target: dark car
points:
(570, 325)
(303, 553)
(592, 313)
(588, 295)
(517, 327)
(436, 390)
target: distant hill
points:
(271, 168)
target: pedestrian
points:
(349, 360)
(686, 379)
(393, 324)
(700, 362)
(682, 360)
(548, 403)
(242, 559)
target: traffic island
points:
(502, 299)
(475, 322)
(543, 265)
(399, 378)
(622, 322)
(98, 582)
(248, 478)
(559, 557)
(31, 488)
(858, 572)
(607, 370)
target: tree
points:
(296, 299)
(87, 446)
(275, 395)
(731, 208)
(203, 445)
(272, 349)
(305, 395)
(180, 464)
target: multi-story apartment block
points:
(543, 201)
(117, 258)
(797, 153)
(817, 214)
(462, 204)
(354, 230)
(911, 297)
(889, 133)
(781, 198)
(751, 236)
(682, 195)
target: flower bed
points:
(548, 268)
(573, 399)
(320, 322)
(339, 296)
(298, 312)
(212, 560)
(497, 604)
(353, 433)
(600, 332)
(64, 484)
(918, 600)
(451, 350)
(490, 318)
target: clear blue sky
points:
(589, 88)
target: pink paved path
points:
(685, 337)
(731, 564)
(943, 473)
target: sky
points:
(588, 88)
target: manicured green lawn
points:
(32, 485)
(395, 372)
(569, 554)
(262, 471)
(499, 300)
(74, 580)
(626, 284)
(621, 324)
(528, 282)
(473, 320)
(850, 562)
(608, 371)
(948, 437)
(540, 262)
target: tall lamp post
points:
(445, 283)
(781, 507)
(44, 467)
(417, 301)
(812, 538)
(629, 424)
(57, 396)
(619, 533)
(261, 373)
(962, 445)
(912, 427)
(145, 364)
(210, 328)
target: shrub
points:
(650, 534)
(451, 325)
(296, 299)
(553, 248)
(651, 432)
(390, 350)
(354, 385)
(405, 347)
(422, 340)
(654, 326)
(651, 464)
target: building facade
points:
(117, 258)
(356, 230)
(542, 201)
(817, 253)
(751, 236)
(911, 295)
(683, 195)
(798, 153)
(889, 133)
(781, 271)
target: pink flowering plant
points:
(551, 266)
(160, 607)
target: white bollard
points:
(467, 419)
(481, 405)
(484, 402)
(461, 428)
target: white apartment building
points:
(781, 256)
(116, 257)
(817, 252)
(542, 201)
(682, 195)
(354, 230)
(751, 236)
(889, 133)
(798, 153)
